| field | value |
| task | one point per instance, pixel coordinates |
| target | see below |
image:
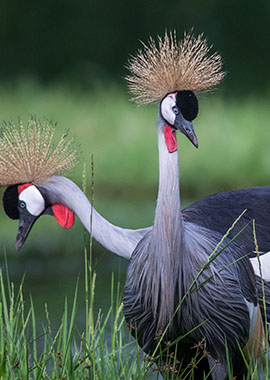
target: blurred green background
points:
(89, 40)
(65, 60)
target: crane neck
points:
(168, 210)
(118, 240)
(164, 253)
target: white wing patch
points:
(265, 265)
(34, 201)
(166, 108)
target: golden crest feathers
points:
(168, 66)
(27, 154)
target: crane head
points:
(26, 203)
(178, 109)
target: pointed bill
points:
(26, 222)
(186, 127)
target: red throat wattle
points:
(170, 138)
(63, 215)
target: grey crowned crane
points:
(221, 310)
(29, 165)
(157, 296)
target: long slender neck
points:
(168, 210)
(164, 252)
(116, 239)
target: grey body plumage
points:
(220, 305)
(165, 264)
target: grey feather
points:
(165, 264)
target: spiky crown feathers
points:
(170, 66)
(28, 155)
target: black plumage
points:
(188, 104)
(219, 211)
(10, 202)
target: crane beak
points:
(186, 127)
(26, 222)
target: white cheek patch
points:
(166, 108)
(34, 201)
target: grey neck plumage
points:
(118, 240)
(154, 274)
(167, 233)
(168, 219)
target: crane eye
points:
(22, 204)
(175, 110)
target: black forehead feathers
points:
(10, 202)
(187, 102)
